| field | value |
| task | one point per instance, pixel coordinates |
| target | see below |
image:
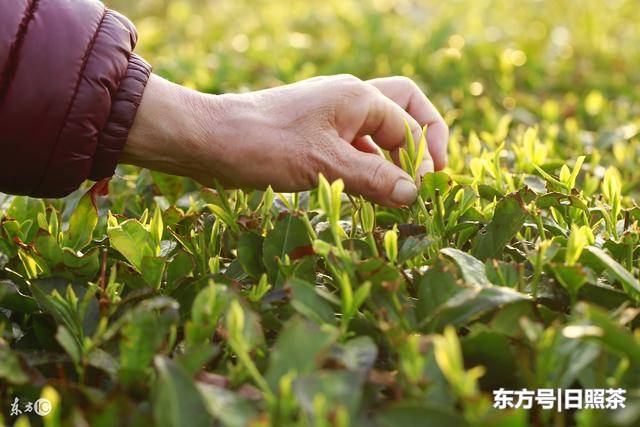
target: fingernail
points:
(404, 193)
(425, 167)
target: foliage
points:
(517, 267)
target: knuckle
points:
(351, 84)
(406, 82)
(372, 98)
(370, 91)
(353, 94)
(348, 78)
(444, 125)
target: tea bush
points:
(151, 300)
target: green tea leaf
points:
(69, 343)
(309, 303)
(412, 247)
(132, 240)
(606, 331)
(145, 330)
(629, 283)
(227, 406)
(288, 234)
(473, 271)
(300, 349)
(434, 182)
(81, 225)
(436, 287)
(471, 303)
(178, 402)
(508, 218)
(250, 254)
(11, 368)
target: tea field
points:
(150, 300)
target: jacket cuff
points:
(123, 112)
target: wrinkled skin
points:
(285, 136)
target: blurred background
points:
(493, 68)
(476, 58)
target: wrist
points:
(175, 129)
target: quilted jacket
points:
(69, 90)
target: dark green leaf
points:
(300, 348)
(436, 287)
(412, 247)
(178, 402)
(10, 368)
(289, 233)
(629, 283)
(471, 303)
(250, 254)
(309, 303)
(507, 220)
(226, 406)
(472, 270)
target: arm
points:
(69, 90)
(287, 135)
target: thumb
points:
(376, 179)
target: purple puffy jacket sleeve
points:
(70, 87)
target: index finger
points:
(373, 114)
(407, 95)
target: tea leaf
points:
(508, 218)
(473, 271)
(177, 402)
(288, 234)
(629, 283)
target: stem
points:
(541, 234)
(501, 277)
(336, 238)
(423, 208)
(538, 273)
(520, 277)
(372, 244)
(257, 376)
(439, 207)
(310, 230)
(398, 306)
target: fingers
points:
(366, 144)
(373, 177)
(366, 116)
(385, 122)
(365, 111)
(408, 96)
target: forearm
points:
(207, 137)
(173, 125)
(285, 137)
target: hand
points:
(285, 136)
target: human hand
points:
(286, 136)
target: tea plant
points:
(150, 300)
